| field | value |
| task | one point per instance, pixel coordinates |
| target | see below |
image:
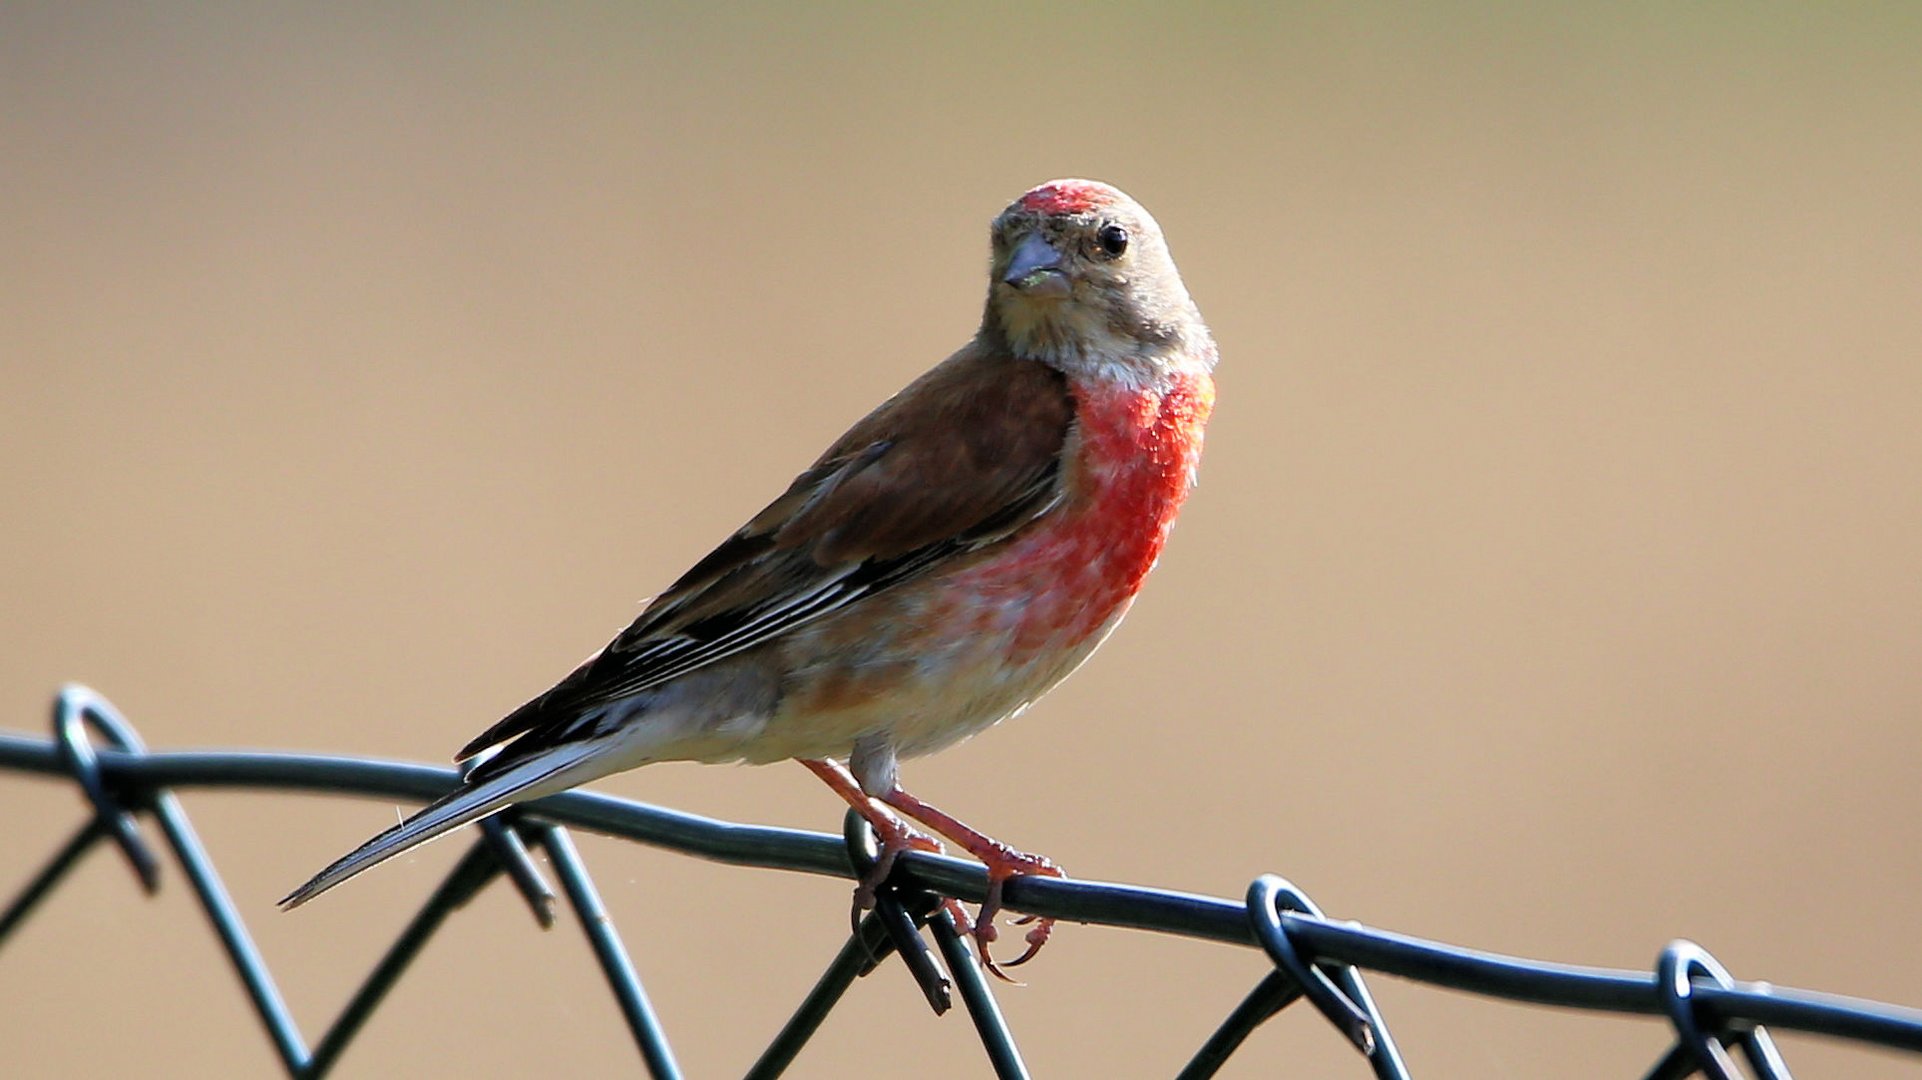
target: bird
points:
(956, 554)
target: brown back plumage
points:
(962, 458)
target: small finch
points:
(946, 562)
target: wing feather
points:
(963, 457)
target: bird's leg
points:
(894, 834)
(1002, 861)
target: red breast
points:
(1133, 462)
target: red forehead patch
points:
(1068, 197)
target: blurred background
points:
(1554, 585)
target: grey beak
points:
(1035, 268)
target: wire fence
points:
(1315, 958)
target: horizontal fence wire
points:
(1315, 958)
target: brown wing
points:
(963, 457)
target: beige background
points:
(1553, 586)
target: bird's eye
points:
(1113, 240)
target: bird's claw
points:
(957, 914)
(893, 835)
(893, 838)
(1036, 938)
(1004, 863)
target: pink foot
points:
(893, 835)
(1003, 863)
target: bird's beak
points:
(1035, 269)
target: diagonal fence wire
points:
(1315, 958)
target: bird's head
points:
(1081, 278)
